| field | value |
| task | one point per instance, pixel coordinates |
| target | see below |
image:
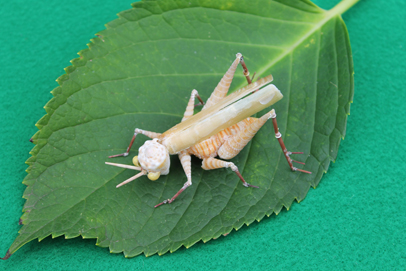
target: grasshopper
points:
(222, 128)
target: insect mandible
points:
(222, 128)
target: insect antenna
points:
(132, 178)
(123, 166)
(143, 172)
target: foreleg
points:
(185, 160)
(136, 132)
(213, 163)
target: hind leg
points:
(233, 145)
(223, 86)
(191, 105)
(287, 153)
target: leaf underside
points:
(139, 73)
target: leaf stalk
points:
(343, 6)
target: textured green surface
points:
(352, 221)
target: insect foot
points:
(212, 163)
(118, 155)
(278, 135)
(288, 153)
(136, 132)
(186, 185)
(162, 203)
(244, 183)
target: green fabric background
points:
(356, 217)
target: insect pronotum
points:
(222, 128)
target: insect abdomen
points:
(232, 130)
(209, 147)
(236, 143)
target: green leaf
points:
(139, 72)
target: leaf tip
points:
(8, 254)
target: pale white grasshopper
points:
(223, 127)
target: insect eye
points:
(153, 176)
(135, 161)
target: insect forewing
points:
(227, 112)
(223, 103)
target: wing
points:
(227, 112)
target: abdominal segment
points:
(209, 147)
